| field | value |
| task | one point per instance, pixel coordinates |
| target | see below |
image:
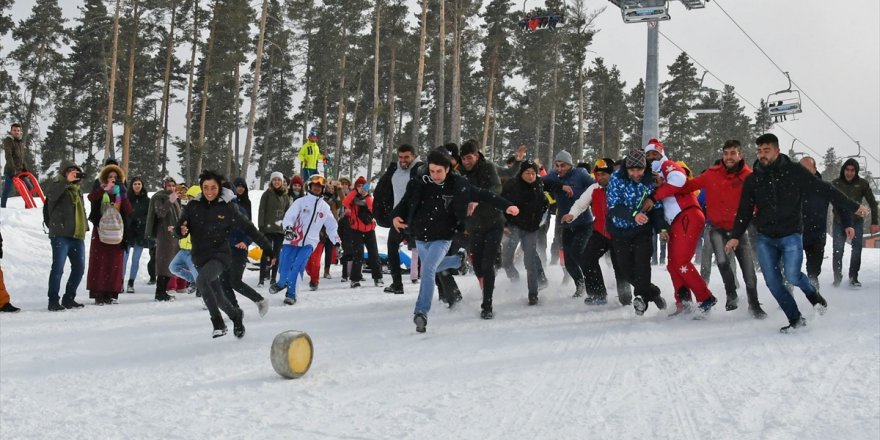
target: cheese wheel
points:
(291, 353)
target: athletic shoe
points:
(463, 266)
(313, 286)
(533, 300)
(854, 282)
(421, 322)
(378, 283)
(355, 284)
(794, 325)
(55, 307)
(487, 314)
(595, 300)
(394, 288)
(639, 305)
(263, 307)
(289, 301)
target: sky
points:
(832, 53)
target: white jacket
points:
(582, 204)
(306, 216)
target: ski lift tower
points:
(651, 12)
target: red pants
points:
(313, 267)
(686, 229)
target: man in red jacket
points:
(686, 220)
(359, 210)
(723, 186)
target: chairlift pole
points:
(651, 120)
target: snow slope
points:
(560, 370)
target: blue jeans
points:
(66, 248)
(789, 251)
(838, 238)
(182, 266)
(7, 188)
(433, 258)
(291, 265)
(136, 252)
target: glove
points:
(108, 187)
(290, 234)
(339, 252)
(115, 190)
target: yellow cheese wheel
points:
(291, 353)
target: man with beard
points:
(723, 185)
(856, 189)
(773, 196)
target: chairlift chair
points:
(541, 22)
(704, 109)
(784, 103)
(640, 11)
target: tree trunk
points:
(455, 122)
(189, 94)
(162, 136)
(308, 97)
(129, 116)
(340, 108)
(441, 78)
(204, 111)
(255, 92)
(538, 119)
(392, 97)
(552, 136)
(420, 78)
(236, 110)
(353, 129)
(267, 142)
(490, 94)
(108, 139)
(581, 110)
(375, 113)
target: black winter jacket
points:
(484, 218)
(856, 190)
(210, 224)
(136, 226)
(383, 195)
(530, 199)
(773, 196)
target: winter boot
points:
(706, 306)
(464, 266)
(533, 299)
(837, 279)
(395, 288)
(580, 289)
(355, 284)
(289, 301)
(9, 308)
(639, 305)
(219, 327)
(596, 300)
(624, 294)
(854, 282)
(756, 311)
(164, 296)
(732, 301)
(54, 306)
(421, 322)
(378, 282)
(263, 306)
(313, 286)
(69, 303)
(130, 288)
(487, 314)
(794, 325)
(237, 323)
(151, 282)
(818, 302)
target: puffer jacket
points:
(358, 211)
(15, 155)
(625, 200)
(529, 198)
(273, 204)
(579, 180)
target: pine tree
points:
(635, 105)
(832, 163)
(6, 25)
(606, 113)
(496, 59)
(676, 96)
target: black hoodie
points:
(856, 190)
(528, 197)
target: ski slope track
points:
(558, 370)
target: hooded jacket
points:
(210, 223)
(243, 202)
(529, 198)
(773, 196)
(64, 212)
(310, 155)
(856, 190)
(15, 155)
(273, 204)
(358, 211)
(722, 190)
(625, 200)
(483, 175)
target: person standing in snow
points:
(162, 215)
(857, 189)
(238, 244)
(595, 199)
(135, 230)
(566, 184)
(209, 218)
(687, 223)
(433, 208)
(13, 147)
(632, 220)
(772, 196)
(310, 155)
(302, 231)
(526, 191)
(362, 233)
(104, 279)
(5, 305)
(65, 216)
(273, 204)
(388, 194)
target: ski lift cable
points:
(741, 97)
(792, 81)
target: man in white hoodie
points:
(302, 228)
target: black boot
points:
(130, 288)
(732, 301)
(69, 303)
(237, 323)
(54, 306)
(161, 289)
(219, 327)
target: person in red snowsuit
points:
(686, 222)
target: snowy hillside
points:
(560, 370)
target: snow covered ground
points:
(560, 370)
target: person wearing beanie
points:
(359, 213)
(773, 196)
(104, 277)
(388, 194)
(526, 192)
(296, 188)
(687, 222)
(566, 184)
(65, 217)
(632, 221)
(273, 204)
(857, 189)
(595, 199)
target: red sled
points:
(29, 188)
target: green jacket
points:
(273, 205)
(310, 155)
(856, 190)
(64, 212)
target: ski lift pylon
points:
(784, 103)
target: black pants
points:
(574, 243)
(211, 287)
(267, 273)
(151, 265)
(345, 235)
(232, 280)
(634, 259)
(484, 247)
(815, 252)
(359, 240)
(597, 246)
(394, 240)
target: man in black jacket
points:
(526, 191)
(389, 191)
(857, 189)
(433, 208)
(210, 218)
(776, 189)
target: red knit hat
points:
(655, 145)
(361, 180)
(297, 180)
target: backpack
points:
(111, 227)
